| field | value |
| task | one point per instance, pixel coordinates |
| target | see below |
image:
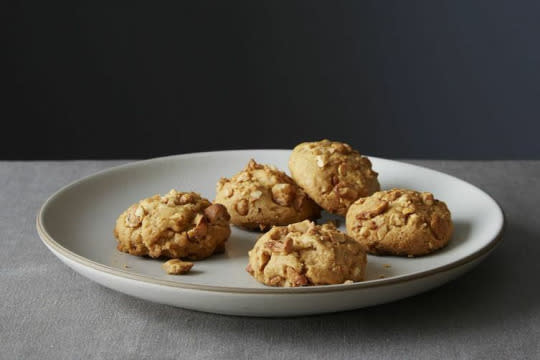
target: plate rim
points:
(58, 249)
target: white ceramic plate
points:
(76, 224)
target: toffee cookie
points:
(261, 196)
(304, 254)
(332, 174)
(400, 222)
(177, 225)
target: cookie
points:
(400, 222)
(332, 174)
(261, 196)
(304, 254)
(177, 225)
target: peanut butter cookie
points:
(332, 174)
(305, 254)
(261, 196)
(400, 222)
(177, 225)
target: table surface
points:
(47, 311)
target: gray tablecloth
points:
(47, 311)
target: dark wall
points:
(430, 79)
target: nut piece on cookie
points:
(176, 225)
(177, 267)
(261, 196)
(304, 254)
(400, 222)
(332, 174)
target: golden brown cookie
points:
(177, 225)
(304, 254)
(400, 222)
(332, 174)
(261, 196)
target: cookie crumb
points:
(347, 282)
(177, 267)
(125, 266)
(381, 276)
(387, 266)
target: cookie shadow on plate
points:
(338, 220)
(462, 232)
(240, 242)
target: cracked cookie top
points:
(261, 196)
(333, 174)
(175, 225)
(304, 254)
(400, 222)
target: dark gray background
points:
(424, 79)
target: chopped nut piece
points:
(341, 148)
(140, 211)
(133, 220)
(342, 169)
(278, 246)
(393, 195)
(295, 277)
(253, 165)
(221, 182)
(177, 267)
(201, 227)
(243, 177)
(186, 199)
(276, 233)
(408, 210)
(283, 194)
(374, 208)
(275, 280)
(217, 212)
(229, 192)
(242, 207)
(427, 198)
(364, 231)
(320, 161)
(255, 195)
